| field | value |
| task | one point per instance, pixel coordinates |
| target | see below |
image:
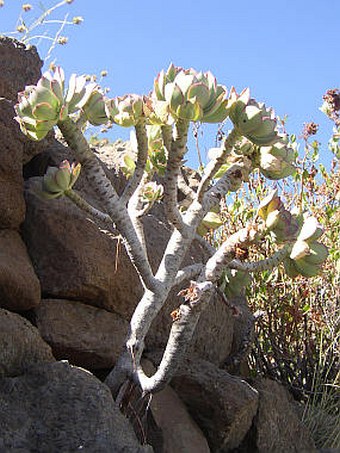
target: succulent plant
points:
(78, 92)
(40, 107)
(125, 111)
(189, 95)
(271, 203)
(276, 161)
(94, 108)
(57, 180)
(285, 228)
(235, 281)
(251, 119)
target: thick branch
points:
(227, 251)
(186, 190)
(230, 182)
(188, 273)
(180, 337)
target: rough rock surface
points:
(75, 260)
(179, 431)
(12, 205)
(224, 406)
(278, 427)
(86, 336)
(19, 66)
(19, 286)
(58, 408)
(20, 345)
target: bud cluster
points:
(57, 180)
(307, 254)
(278, 220)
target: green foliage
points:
(298, 323)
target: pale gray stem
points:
(135, 211)
(86, 207)
(214, 165)
(262, 265)
(142, 156)
(188, 273)
(174, 164)
(227, 251)
(179, 339)
(116, 210)
(230, 181)
(151, 303)
(186, 190)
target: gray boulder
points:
(20, 345)
(19, 285)
(278, 427)
(223, 406)
(86, 336)
(57, 408)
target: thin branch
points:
(47, 12)
(55, 41)
(86, 207)
(39, 37)
(214, 165)
(188, 273)
(104, 188)
(174, 163)
(262, 265)
(142, 155)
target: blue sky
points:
(286, 51)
